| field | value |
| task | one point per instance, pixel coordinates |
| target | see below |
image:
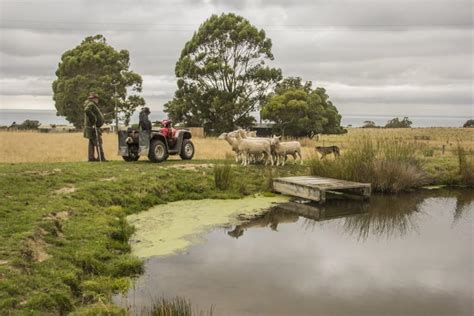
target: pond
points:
(409, 254)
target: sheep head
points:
(275, 140)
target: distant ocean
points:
(8, 116)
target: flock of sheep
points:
(250, 149)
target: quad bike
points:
(134, 143)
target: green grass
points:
(63, 230)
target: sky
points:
(375, 57)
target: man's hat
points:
(146, 110)
(93, 95)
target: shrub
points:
(389, 165)
(223, 176)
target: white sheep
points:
(247, 135)
(233, 142)
(256, 147)
(282, 149)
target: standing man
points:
(93, 121)
(144, 123)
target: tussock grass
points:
(389, 165)
(466, 166)
(223, 176)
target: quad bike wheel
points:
(132, 155)
(187, 150)
(131, 158)
(158, 151)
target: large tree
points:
(222, 75)
(96, 66)
(299, 110)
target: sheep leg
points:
(244, 160)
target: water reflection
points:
(408, 254)
(385, 216)
(271, 219)
(464, 200)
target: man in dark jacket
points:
(93, 121)
(144, 123)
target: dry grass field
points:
(22, 147)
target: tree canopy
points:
(299, 110)
(95, 66)
(397, 123)
(222, 75)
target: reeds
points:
(390, 165)
(175, 307)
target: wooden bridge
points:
(318, 188)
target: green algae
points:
(173, 227)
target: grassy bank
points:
(392, 165)
(64, 238)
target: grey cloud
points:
(391, 53)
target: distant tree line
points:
(393, 123)
(26, 125)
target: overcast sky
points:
(390, 57)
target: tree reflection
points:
(384, 216)
(388, 216)
(464, 201)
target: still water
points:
(408, 254)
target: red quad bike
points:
(157, 145)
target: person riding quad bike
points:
(168, 132)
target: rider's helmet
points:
(166, 123)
